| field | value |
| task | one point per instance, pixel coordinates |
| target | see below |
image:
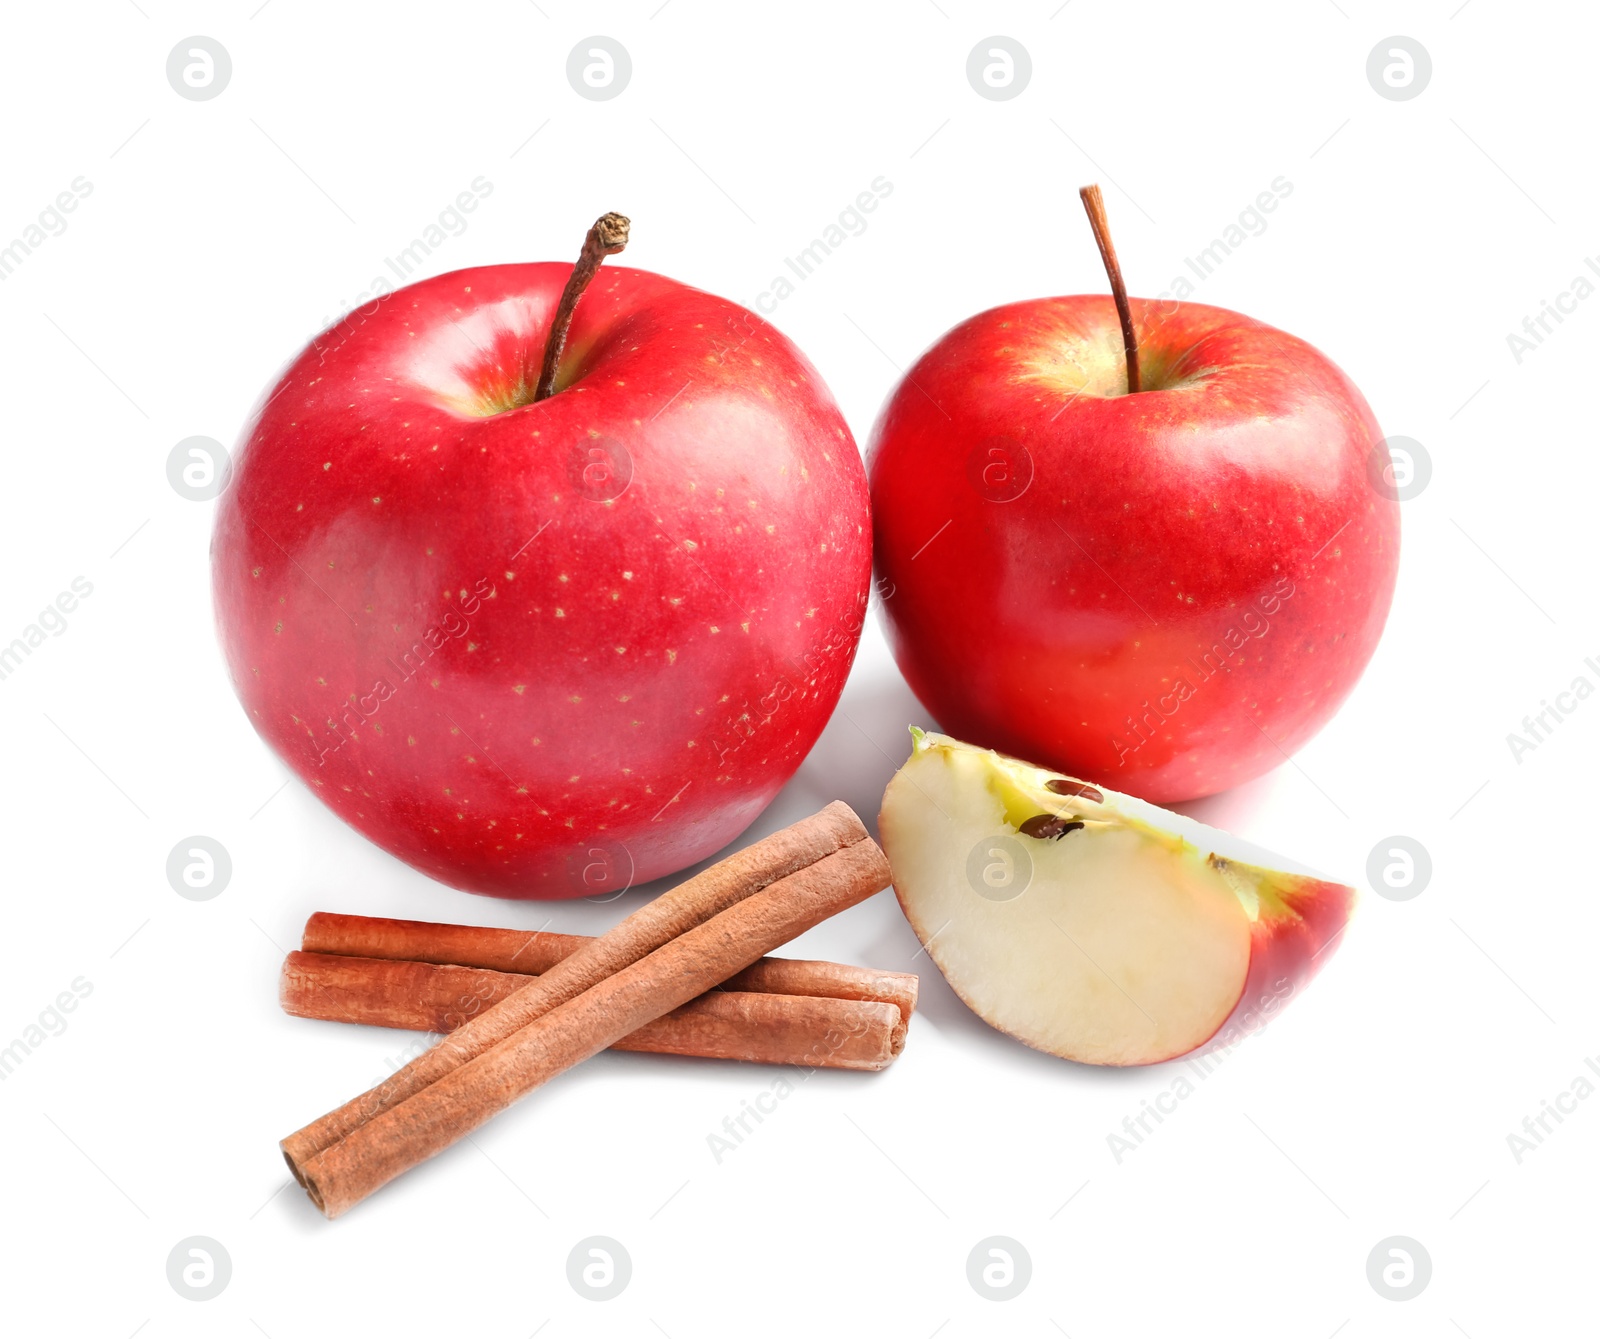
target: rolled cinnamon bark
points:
(815, 1031)
(527, 953)
(707, 894)
(834, 981)
(452, 1106)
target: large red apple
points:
(544, 648)
(1169, 591)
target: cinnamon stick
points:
(467, 1095)
(528, 953)
(689, 904)
(813, 1030)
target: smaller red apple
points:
(1145, 541)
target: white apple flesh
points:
(1088, 923)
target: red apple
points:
(544, 648)
(1171, 590)
(1090, 924)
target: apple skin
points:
(1297, 922)
(1059, 559)
(544, 650)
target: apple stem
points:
(608, 236)
(1095, 206)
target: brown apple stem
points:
(608, 236)
(1095, 206)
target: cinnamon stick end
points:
(292, 1161)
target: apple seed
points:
(1043, 826)
(1061, 786)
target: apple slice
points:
(1091, 924)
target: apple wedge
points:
(1088, 923)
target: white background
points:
(223, 233)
